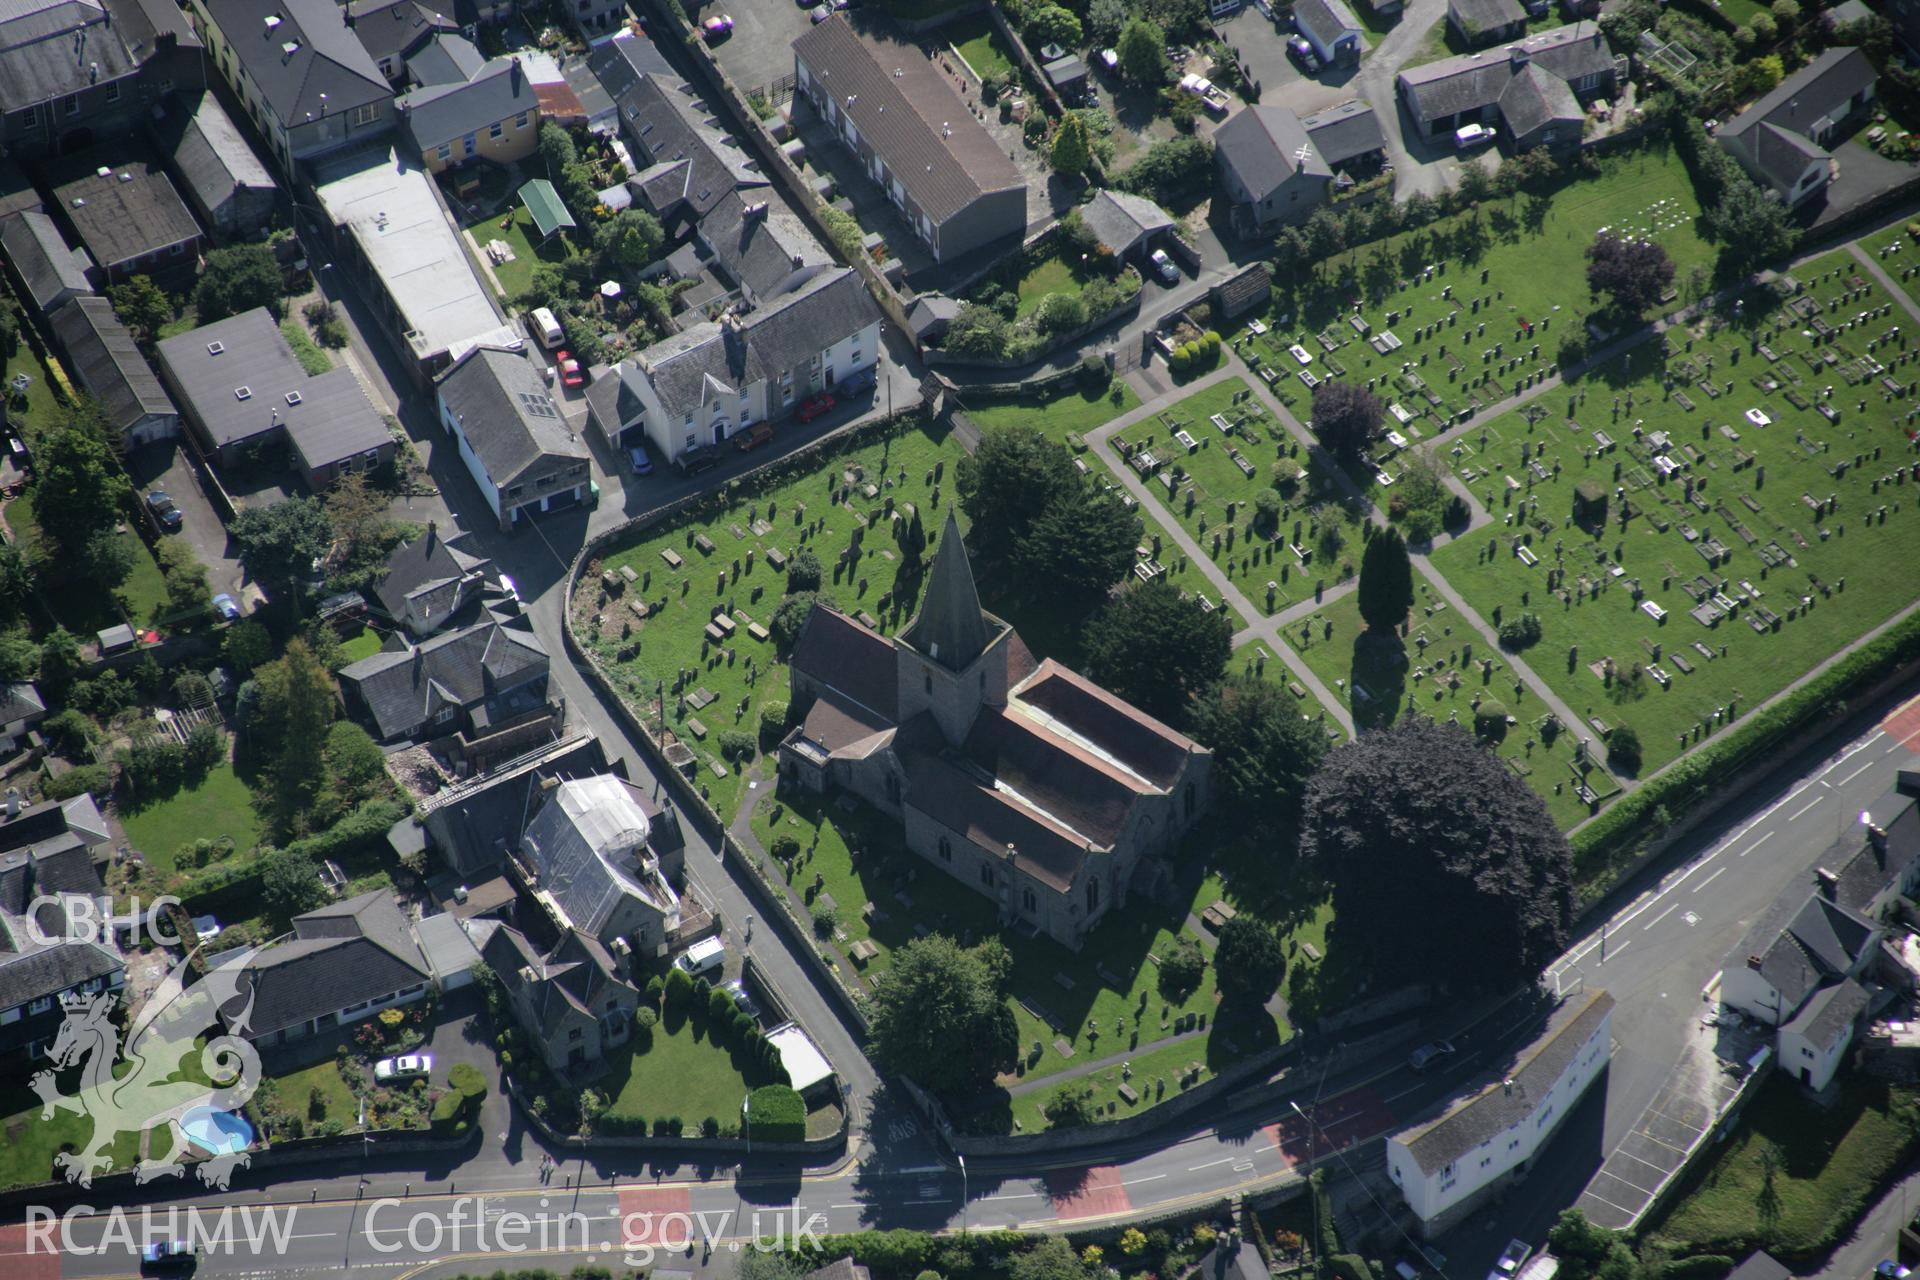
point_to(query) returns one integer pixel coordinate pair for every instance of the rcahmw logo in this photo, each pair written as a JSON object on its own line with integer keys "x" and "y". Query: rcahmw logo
{"x": 243, "y": 1230}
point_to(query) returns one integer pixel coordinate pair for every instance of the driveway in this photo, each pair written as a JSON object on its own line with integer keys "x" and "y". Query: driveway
{"x": 1418, "y": 166}
{"x": 169, "y": 465}
{"x": 1263, "y": 47}
{"x": 760, "y": 50}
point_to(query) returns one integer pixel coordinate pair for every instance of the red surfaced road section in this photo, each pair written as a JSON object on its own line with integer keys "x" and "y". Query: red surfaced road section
{"x": 1903, "y": 726}
{"x": 1338, "y": 1123}
{"x": 656, "y": 1216}
{"x": 1087, "y": 1193}
{"x": 18, "y": 1264}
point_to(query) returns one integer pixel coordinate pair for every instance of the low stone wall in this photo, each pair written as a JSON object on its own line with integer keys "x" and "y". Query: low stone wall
{"x": 810, "y": 1151}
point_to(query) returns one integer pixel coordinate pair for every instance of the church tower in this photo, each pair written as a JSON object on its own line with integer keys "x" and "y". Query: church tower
{"x": 952, "y": 658}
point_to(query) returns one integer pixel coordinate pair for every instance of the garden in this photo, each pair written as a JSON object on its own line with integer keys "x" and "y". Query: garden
{"x": 1066, "y": 412}
{"x": 1704, "y": 519}
{"x": 75, "y": 601}
{"x": 216, "y": 807}
{"x": 1033, "y": 299}
{"x": 1225, "y": 468}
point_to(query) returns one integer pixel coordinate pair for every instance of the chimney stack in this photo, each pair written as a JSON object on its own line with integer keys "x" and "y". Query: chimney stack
{"x": 433, "y": 529}
{"x": 13, "y": 802}
{"x": 1754, "y": 962}
{"x": 1828, "y": 882}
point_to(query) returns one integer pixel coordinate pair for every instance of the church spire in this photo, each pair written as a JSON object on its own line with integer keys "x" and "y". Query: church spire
{"x": 950, "y": 627}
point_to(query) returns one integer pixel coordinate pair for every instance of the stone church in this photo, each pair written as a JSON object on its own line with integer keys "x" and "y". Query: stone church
{"x": 1021, "y": 779}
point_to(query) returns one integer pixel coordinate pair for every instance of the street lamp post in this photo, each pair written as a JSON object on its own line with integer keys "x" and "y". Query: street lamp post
{"x": 964, "y": 1198}
{"x": 1313, "y": 1196}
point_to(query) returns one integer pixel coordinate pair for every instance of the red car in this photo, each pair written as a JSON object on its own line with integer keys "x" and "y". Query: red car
{"x": 815, "y": 407}
{"x": 570, "y": 375}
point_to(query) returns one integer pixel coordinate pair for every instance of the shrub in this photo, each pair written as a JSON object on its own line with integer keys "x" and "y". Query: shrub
{"x": 1490, "y": 720}
{"x": 736, "y": 745}
{"x": 1705, "y": 1266}
{"x": 1521, "y": 632}
{"x": 1181, "y": 969}
{"x": 646, "y": 1019}
{"x": 1623, "y": 750}
{"x": 803, "y": 572}
{"x": 92, "y": 779}
{"x": 720, "y": 1006}
{"x": 1286, "y": 476}
{"x": 825, "y": 919}
{"x": 775, "y": 1113}
{"x": 773, "y": 724}
{"x": 785, "y": 847}
{"x": 1349, "y": 1266}
{"x": 679, "y": 988}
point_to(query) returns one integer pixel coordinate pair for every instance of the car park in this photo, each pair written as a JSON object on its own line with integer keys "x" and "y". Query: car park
{"x": 1425, "y": 1056}
{"x": 638, "y": 460}
{"x": 406, "y": 1067}
{"x": 811, "y": 409}
{"x": 1163, "y": 266}
{"x": 164, "y": 512}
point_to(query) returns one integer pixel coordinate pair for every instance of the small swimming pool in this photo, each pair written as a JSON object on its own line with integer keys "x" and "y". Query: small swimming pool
{"x": 220, "y": 1133}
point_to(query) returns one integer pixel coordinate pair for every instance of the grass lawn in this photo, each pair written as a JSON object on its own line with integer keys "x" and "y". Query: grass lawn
{"x": 1058, "y": 414}
{"x": 679, "y": 1073}
{"x": 220, "y": 805}
{"x": 1438, "y": 669}
{"x": 979, "y": 44}
{"x": 308, "y": 352}
{"x": 1479, "y": 296}
{"x": 515, "y": 276}
{"x": 743, "y": 673}
{"x": 1795, "y": 1175}
{"x": 337, "y": 1101}
{"x": 1207, "y": 490}
{"x": 39, "y": 409}
{"x": 1795, "y": 579}
{"x": 1082, "y": 998}
{"x": 80, "y": 606}
{"x": 1257, "y": 659}
{"x": 363, "y": 643}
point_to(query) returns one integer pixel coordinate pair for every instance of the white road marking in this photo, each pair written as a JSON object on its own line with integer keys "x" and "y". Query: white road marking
{"x": 1210, "y": 1164}
{"x": 1671, "y": 908}
{"x": 1622, "y": 947}
{"x": 1801, "y": 811}
{"x": 1134, "y": 1182}
{"x": 1757, "y": 843}
{"x": 1856, "y": 773}
{"x": 1709, "y": 880}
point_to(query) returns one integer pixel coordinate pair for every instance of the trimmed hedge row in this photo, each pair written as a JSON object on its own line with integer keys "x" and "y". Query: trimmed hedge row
{"x": 1604, "y": 847}
{"x": 776, "y": 1113}
{"x": 240, "y": 878}
{"x": 1706, "y": 1266}
{"x": 454, "y": 1110}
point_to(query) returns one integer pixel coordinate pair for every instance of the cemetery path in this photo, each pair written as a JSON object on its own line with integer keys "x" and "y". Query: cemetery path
{"x": 1897, "y": 291}
{"x": 1262, "y": 628}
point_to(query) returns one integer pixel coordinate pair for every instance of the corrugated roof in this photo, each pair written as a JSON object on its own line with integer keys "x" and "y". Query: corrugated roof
{"x": 549, "y": 211}
{"x": 40, "y": 254}
{"x": 108, "y": 362}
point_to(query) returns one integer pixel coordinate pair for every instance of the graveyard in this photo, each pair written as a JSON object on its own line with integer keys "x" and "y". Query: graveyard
{"x": 1256, "y": 658}
{"x": 1442, "y": 669}
{"x": 1706, "y": 518}
{"x": 1207, "y": 459}
{"x": 679, "y": 617}
{"x": 1443, "y": 321}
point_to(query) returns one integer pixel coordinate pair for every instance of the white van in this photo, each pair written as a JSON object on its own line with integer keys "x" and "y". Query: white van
{"x": 547, "y": 327}
{"x": 702, "y": 958}
{"x": 1471, "y": 135}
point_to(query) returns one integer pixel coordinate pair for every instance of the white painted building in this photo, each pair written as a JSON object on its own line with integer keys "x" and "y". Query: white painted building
{"x": 1487, "y": 1140}
{"x": 512, "y": 438}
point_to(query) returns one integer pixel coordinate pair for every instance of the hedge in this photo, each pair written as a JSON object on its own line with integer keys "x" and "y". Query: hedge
{"x": 454, "y": 1109}
{"x": 1604, "y": 847}
{"x": 775, "y": 1113}
{"x": 240, "y": 877}
{"x": 1706, "y": 1266}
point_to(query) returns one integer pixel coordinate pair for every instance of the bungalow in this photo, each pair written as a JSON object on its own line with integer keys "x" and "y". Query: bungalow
{"x": 342, "y": 963}
{"x": 462, "y": 681}
{"x": 1784, "y": 141}
{"x": 1479, "y": 23}
{"x": 48, "y": 850}
{"x": 512, "y": 437}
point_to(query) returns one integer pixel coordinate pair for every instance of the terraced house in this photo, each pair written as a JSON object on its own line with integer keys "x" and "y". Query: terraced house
{"x": 1022, "y": 780}
{"x": 74, "y": 72}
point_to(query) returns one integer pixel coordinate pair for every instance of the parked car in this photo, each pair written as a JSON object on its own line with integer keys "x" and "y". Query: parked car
{"x": 1163, "y": 266}
{"x": 819, "y": 14}
{"x": 1511, "y": 1259}
{"x": 406, "y": 1067}
{"x": 717, "y": 28}
{"x": 638, "y": 460}
{"x": 1891, "y": 1270}
{"x": 703, "y": 957}
{"x": 1471, "y": 135}
{"x": 811, "y": 409}
{"x": 223, "y": 604}
{"x": 1423, "y": 1057}
{"x": 752, "y": 437}
{"x": 738, "y": 990}
{"x": 547, "y": 327}
{"x": 694, "y": 461}
{"x": 508, "y": 590}
{"x": 1303, "y": 53}
{"x": 571, "y": 376}
{"x": 168, "y": 1255}
{"x": 165, "y": 514}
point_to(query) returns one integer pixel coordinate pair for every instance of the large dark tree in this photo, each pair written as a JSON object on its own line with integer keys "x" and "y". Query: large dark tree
{"x": 1264, "y": 751}
{"x": 1080, "y": 545}
{"x": 1385, "y": 593}
{"x": 235, "y": 279}
{"x": 76, "y": 484}
{"x": 1005, "y": 484}
{"x": 1751, "y": 227}
{"x": 942, "y": 1016}
{"x": 1035, "y": 520}
{"x": 278, "y": 544}
{"x": 1346, "y": 418}
{"x": 1443, "y": 864}
{"x": 1157, "y": 650}
{"x": 1249, "y": 962}
{"x": 1587, "y": 1252}
{"x": 1632, "y": 274}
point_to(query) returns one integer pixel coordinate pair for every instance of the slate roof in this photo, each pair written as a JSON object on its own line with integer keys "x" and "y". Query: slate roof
{"x": 1808, "y": 96}
{"x": 931, "y": 311}
{"x": 428, "y": 572}
{"x": 1122, "y": 221}
{"x": 443, "y": 112}
{"x": 1828, "y": 1017}
{"x": 403, "y": 688}
{"x": 571, "y": 982}
{"x": 209, "y": 154}
{"x": 951, "y": 627}
{"x": 1779, "y": 154}
{"x": 1761, "y": 1265}
{"x": 588, "y": 843}
{"x": 477, "y": 822}
{"x": 842, "y": 727}
{"x": 1073, "y": 787}
{"x": 131, "y": 212}
{"x": 910, "y": 114}
{"x": 1264, "y": 144}
{"x": 346, "y": 953}
{"x": 327, "y": 71}
{"x": 1345, "y": 132}
{"x": 20, "y": 701}
{"x": 509, "y": 418}
{"x": 396, "y": 28}
{"x": 836, "y": 651}
{"x": 108, "y": 364}
{"x": 446, "y": 58}
{"x": 1802, "y": 942}
{"x": 960, "y": 799}
{"x": 1324, "y": 20}
{"x": 120, "y": 36}
{"x": 1475, "y": 81}
{"x": 1495, "y": 1109}
{"x": 1865, "y": 868}
{"x": 40, "y": 254}
{"x": 1534, "y": 99}
{"x": 1072, "y": 706}
{"x": 327, "y": 418}
{"x": 1476, "y": 17}
{"x": 684, "y": 153}
{"x": 762, "y": 245}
